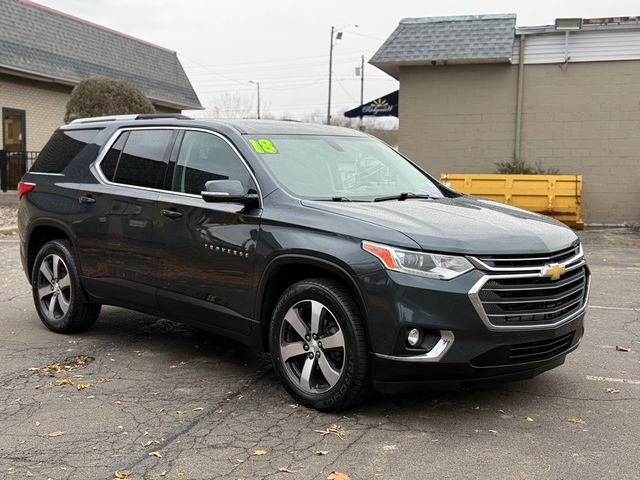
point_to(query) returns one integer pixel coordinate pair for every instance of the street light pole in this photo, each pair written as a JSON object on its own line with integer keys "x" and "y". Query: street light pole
{"x": 361, "y": 89}
{"x": 257, "y": 84}
{"x": 330, "y": 68}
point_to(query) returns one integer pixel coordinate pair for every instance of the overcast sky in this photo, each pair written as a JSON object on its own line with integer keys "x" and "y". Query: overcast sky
{"x": 284, "y": 44}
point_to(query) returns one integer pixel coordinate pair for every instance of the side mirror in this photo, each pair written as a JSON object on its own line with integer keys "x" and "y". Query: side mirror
{"x": 228, "y": 191}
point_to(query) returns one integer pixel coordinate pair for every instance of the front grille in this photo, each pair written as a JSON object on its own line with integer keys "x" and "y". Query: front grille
{"x": 525, "y": 352}
{"x": 533, "y": 300}
{"x": 541, "y": 350}
{"x": 497, "y": 262}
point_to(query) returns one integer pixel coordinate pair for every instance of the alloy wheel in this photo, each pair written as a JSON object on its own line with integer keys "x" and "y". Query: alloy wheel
{"x": 312, "y": 347}
{"x": 54, "y": 287}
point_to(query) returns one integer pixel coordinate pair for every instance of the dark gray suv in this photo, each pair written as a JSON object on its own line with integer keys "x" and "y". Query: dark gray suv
{"x": 351, "y": 265}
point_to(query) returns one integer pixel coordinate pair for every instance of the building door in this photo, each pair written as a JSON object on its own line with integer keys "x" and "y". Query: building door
{"x": 14, "y": 134}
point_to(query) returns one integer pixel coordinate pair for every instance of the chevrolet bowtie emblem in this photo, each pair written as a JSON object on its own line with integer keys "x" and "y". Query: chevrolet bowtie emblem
{"x": 553, "y": 271}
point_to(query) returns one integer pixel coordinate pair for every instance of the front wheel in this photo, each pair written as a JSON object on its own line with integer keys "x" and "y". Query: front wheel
{"x": 318, "y": 345}
{"x": 58, "y": 295}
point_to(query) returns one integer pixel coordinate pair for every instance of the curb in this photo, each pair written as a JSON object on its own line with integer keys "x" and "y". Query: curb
{"x": 10, "y": 230}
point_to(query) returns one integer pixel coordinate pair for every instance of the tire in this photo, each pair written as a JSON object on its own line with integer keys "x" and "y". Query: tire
{"x": 332, "y": 376}
{"x": 55, "y": 280}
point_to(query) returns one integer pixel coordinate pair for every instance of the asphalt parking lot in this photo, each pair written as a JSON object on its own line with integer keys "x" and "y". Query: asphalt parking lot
{"x": 161, "y": 400}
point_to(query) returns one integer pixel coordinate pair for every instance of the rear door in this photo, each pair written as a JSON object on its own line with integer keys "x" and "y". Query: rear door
{"x": 116, "y": 232}
{"x": 206, "y": 262}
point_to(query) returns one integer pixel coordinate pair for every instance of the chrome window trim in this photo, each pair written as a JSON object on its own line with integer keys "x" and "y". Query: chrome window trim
{"x": 55, "y": 174}
{"x": 434, "y": 355}
{"x": 95, "y": 166}
{"x": 483, "y": 266}
{"x": 477, "y": 303}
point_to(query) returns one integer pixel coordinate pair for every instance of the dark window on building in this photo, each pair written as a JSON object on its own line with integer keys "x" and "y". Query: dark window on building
{"x": 205, "y": 157}
{"x": 143, "y": 160}
{"x": 110, "y": 161}
{"x": 61, "y": 149}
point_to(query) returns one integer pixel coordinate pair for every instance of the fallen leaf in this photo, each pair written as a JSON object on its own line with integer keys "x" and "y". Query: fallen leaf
{"x": 338, "y": 476}
{"x": 285, "y": 470}
{"x": 294, "y": 405}
{"x": 181, "y": 473}
{"x": 29, "y": 474}
{"x": 91, "y": 397}
{"x": 198, "y": 409}
{"x": 82, "y": 386}
{"x": 322, "y": 452}
{"x": 259, "y": 452}
{"x": 620, "y": 348}
{"x": 529, "y": 419}
{"x": 121, "y": 474}
{"x": 156, "y": 454}
{"x": 493, "y": 431}
{"x": 501, "y": 411}
{"x": 56, "y": 434}
{"x": 613, "y": 390}
{"x": 575, "y": 420}
{"x": 63, "y": 381}
{"x": 163, "y": 473}
{"x": 150, "y": 442}
{"x": 37, "y": 423}
{"x": 180, "y": 412}
{"x": 118, "y": 402}
{"x": 332, "y": 430}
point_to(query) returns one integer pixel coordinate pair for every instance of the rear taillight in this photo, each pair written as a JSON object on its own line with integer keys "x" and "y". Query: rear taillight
{"x": 24, "y": 187}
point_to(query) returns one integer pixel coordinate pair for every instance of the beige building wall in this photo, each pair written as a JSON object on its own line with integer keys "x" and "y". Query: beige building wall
{"x": 582, "y": 119}
{"x": 44, "y": 104}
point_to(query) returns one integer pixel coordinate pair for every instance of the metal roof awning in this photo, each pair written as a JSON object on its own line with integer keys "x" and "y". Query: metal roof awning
{"x": 386, "y": 106}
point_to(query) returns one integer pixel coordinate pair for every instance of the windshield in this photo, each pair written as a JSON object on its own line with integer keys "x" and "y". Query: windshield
{"x": 340, "y": 168}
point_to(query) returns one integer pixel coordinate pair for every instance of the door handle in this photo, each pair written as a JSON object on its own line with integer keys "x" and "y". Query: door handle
{"x": 87, "y": 200}
{"x": 170, "y": 213}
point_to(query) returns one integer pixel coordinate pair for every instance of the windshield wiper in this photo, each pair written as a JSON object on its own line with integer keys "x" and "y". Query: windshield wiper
{"x": 402, "y": 196}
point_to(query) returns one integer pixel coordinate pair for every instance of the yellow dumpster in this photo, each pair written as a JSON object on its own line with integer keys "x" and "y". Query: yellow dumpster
{"x": 554, "y": 195}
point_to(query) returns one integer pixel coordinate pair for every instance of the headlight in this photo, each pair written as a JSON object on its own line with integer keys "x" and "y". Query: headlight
{"x": 431, "y": 265}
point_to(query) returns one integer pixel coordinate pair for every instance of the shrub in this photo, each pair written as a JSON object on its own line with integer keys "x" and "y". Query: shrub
{"x": 96, "y": 97}
{"x": 522, "y": 167}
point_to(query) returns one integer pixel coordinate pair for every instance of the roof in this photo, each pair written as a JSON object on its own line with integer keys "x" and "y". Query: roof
{"x": 43, "y": 43}
{"x": 242, "y": 127}
{"x": 459, "y": 39}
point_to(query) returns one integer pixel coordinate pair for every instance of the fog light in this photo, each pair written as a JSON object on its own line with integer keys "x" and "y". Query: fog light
{"x": 414, "y": 337}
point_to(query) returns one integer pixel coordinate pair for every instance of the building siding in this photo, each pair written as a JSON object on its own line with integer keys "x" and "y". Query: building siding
{"x": 44, "y": 104}
{"x": 582, "y": 119}
{"x": 584, "y": 46}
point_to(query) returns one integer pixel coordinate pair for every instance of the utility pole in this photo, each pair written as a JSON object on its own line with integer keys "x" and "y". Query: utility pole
{"x": 257, "y": 84}
{"x": 330, "y": 68}
{"x": 361, "y": 91}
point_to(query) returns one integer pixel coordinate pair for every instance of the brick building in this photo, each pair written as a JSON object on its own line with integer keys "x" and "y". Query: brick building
{"x": 45, "y": 53}
{"x": 573, "y": 103}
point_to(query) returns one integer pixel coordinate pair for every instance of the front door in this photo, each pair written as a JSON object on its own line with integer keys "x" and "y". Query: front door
{"x": 14, "y": 130}
{"x": 206, "y": 261}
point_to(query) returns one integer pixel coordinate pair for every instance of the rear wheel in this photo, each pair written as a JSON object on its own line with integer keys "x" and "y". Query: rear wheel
{"x": 318, "y": 345}
{"x": 58, "y": 295}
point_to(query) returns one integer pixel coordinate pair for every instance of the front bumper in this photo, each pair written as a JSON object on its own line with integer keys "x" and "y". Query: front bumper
{"x": 397, "y": 302}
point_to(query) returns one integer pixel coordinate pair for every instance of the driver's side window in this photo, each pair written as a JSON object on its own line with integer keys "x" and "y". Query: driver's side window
{"x": 203, "y": 157}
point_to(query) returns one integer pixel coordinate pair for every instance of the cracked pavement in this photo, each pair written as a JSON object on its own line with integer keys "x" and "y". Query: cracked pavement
{"x": 205, "y": 404}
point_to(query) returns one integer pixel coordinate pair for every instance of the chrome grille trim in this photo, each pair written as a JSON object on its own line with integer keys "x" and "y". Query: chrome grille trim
{"x": 474, "y": 296}
{"x": 480, "y": 262}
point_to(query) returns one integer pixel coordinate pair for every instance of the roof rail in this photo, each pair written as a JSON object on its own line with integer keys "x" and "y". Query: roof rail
{"x": 133, "y": 116}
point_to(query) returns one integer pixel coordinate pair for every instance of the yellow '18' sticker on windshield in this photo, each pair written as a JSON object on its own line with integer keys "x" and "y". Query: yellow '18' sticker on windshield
{"x": 263, "y": 145}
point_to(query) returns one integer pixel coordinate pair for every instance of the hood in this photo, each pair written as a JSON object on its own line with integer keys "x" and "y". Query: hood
{"x": 465, "y": 224}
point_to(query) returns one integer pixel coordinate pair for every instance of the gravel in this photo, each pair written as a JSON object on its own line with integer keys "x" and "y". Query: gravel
{"x": 8, "y": 215}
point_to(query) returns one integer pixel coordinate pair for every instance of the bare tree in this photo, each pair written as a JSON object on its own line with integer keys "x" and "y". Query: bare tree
{"x": 233, "y": 105}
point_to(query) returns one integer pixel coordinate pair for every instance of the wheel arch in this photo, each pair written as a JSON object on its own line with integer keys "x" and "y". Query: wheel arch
{"x": 41, "y": 232}
{"x": 293, "y": 268}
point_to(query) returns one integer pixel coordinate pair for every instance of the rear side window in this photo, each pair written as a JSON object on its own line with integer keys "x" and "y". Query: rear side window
{"x": 61, "y": 149}
{"x": 143, "y": 159}
{"x": 110, "y": 160}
